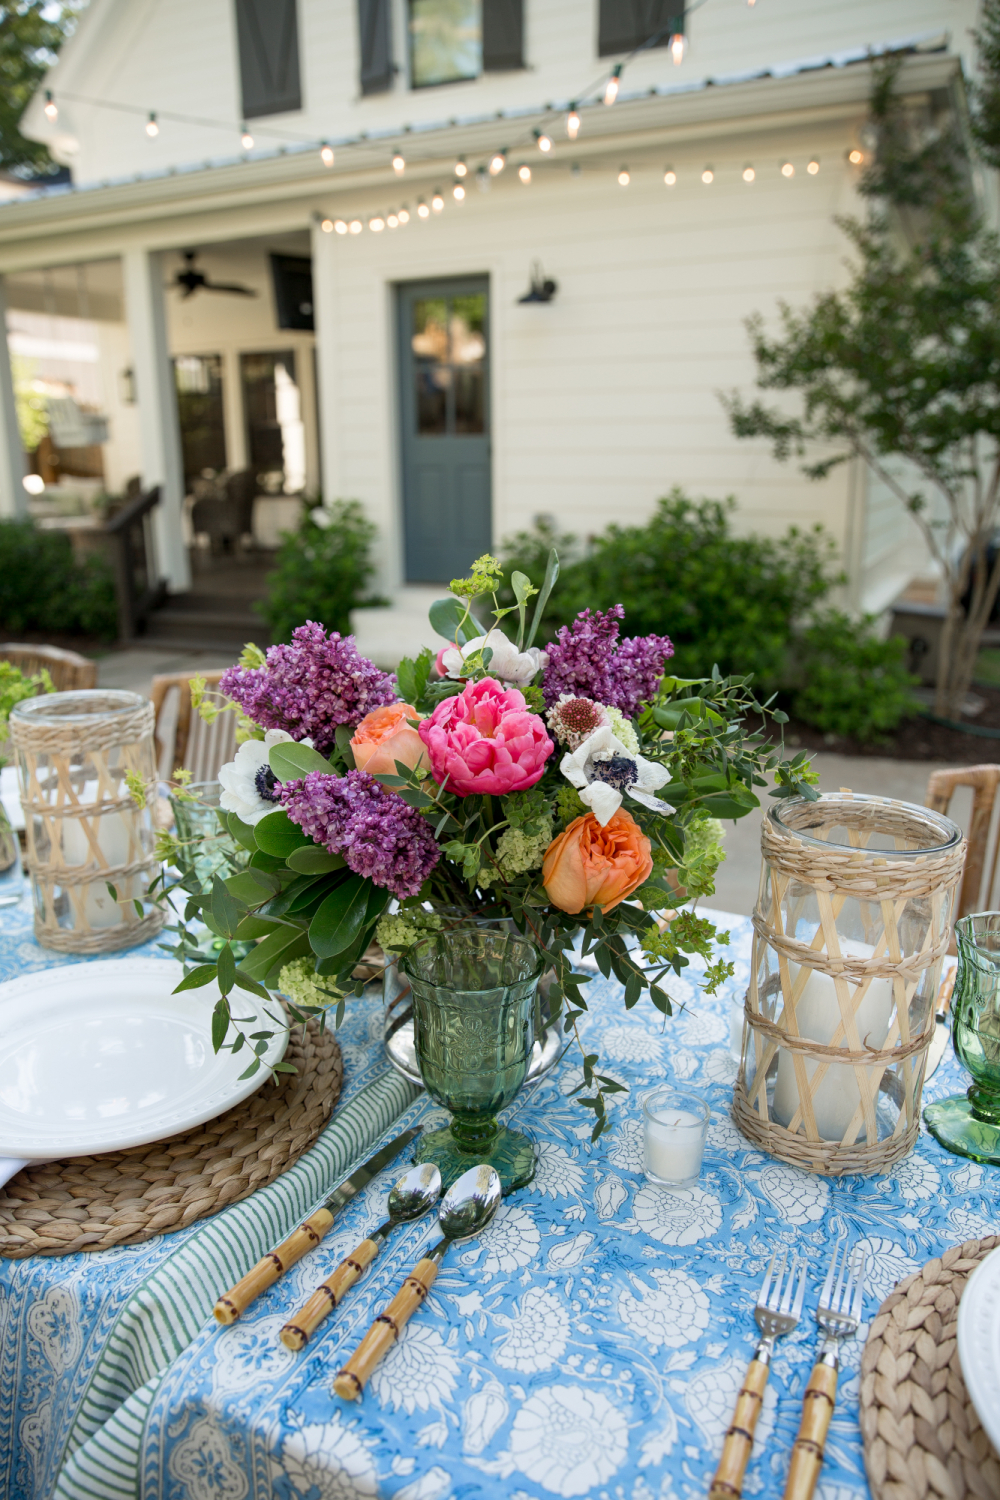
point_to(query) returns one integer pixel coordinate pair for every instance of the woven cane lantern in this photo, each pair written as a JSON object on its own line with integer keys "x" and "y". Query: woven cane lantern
{"x": 851, "y": 925}
{"x": 84, "y": 830}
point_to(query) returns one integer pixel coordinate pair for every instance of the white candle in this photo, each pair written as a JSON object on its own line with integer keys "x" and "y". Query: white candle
{"x": 112, "y": 830}
{"x": 818, "y": 1016}
{"x": 674, "y": 1141}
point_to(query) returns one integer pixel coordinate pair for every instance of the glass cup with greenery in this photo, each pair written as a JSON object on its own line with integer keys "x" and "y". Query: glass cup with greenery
{"x": 473, "y": 1011}
{"x": 969, "y": 1124}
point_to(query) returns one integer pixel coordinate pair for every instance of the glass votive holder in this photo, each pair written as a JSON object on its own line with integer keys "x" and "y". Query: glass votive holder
{"x": 674, "y": 1127}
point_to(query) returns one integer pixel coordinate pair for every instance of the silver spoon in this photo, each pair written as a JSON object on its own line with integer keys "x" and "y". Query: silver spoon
{"x": 466, "y": 1208}
{"x": 415, "y": 1192}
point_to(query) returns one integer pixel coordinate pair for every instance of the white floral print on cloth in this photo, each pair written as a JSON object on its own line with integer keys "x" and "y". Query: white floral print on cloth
{"x": 593, "y": 1340}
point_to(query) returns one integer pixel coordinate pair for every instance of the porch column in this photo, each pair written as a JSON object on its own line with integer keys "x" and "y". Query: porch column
{"x": 13, "y": 496}
{"x": 156, "y": 398}
{"x": 324, "y": 269}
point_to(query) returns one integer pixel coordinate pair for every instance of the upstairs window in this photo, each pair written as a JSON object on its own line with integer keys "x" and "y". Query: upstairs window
{"x": 624, "y": 25}
{"x": 267, "y": 33}
{"x": 455, "y": 40}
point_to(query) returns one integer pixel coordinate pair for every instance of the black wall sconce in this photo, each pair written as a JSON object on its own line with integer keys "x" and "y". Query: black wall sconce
{"x": 543, "y": 289}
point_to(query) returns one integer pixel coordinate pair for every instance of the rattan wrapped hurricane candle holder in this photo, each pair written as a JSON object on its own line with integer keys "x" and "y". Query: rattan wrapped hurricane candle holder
{"x": 852, "y": 922}
{"x": 84, "y": 830}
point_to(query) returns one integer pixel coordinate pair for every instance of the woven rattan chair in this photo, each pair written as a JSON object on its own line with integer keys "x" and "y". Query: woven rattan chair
{"x": 68, "y": 670}
{"x": 183, "y": 740}
{"x": 977, "y": 890}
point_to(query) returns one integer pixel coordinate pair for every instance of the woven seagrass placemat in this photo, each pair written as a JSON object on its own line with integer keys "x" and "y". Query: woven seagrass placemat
{"x": 124, "y": 1197}
{"x": 922, "y": 1437}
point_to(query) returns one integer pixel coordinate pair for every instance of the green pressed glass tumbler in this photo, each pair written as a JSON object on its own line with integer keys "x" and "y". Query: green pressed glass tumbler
{"x": 473, "y": 1030}
{"x": 969, "y": 1124}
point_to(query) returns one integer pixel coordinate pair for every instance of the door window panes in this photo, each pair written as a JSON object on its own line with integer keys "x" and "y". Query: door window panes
{"x": 272, "y": 408}
{"x": 198, "y": 378}
{"x": 449, "y": 365}
{"x": 446, "y": 41}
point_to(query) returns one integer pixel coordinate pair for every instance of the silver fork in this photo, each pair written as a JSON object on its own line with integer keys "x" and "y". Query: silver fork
{"x": 777, "y": 1312}
{"x": 840, "y": 1305}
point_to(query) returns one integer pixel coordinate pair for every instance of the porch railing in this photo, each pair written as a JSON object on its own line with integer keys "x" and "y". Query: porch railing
{"x": 137, "y": 583}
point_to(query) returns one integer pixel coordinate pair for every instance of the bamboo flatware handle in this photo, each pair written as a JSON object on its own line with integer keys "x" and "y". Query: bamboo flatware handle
{"x": 807, "y": 1453}
{"x": 350, "y": 1382}
{"x": 728, "y": 1481}
{"x": 328, "y": 1295}
{"x": 266, "y": 1272}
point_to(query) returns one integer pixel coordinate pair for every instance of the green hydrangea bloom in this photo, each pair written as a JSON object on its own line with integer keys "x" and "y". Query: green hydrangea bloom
{"x": 624, "y": 729}
{"x": 569, "y": 804}
{"x": 300, "y": 982}
{"x": 517, "y": 852}
{"x": 401, "y": 929}
{"x": 703, "y": 854}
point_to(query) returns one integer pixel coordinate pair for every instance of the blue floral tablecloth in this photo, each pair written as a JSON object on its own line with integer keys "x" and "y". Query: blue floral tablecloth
{"x": 592, "y": 1342}
{"x": 80, "y": 1333}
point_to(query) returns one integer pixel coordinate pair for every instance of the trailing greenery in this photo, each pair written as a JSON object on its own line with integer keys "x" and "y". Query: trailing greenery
{"x": 43, "y": 587}
{"x": 745, "y": 603}
{"x": 14, "y": 687}
{"x": 322, "y": 571}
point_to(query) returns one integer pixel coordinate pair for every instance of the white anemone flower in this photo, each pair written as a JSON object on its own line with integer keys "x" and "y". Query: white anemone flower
{"x": 507, "y": 663}
{"x": 603, "y": 770}
{"x": 249, "y": 786}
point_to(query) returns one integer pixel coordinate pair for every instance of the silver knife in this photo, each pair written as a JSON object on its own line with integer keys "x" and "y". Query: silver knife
{"x": 266, "y": 1272}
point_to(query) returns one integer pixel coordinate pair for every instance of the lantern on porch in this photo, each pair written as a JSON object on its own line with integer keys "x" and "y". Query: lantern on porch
{"x": 851, "y": 925}
{"x": 84, "y": 829}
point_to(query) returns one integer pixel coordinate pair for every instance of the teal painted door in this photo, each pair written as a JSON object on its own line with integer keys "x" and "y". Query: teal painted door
{"x": 444, "y": 408}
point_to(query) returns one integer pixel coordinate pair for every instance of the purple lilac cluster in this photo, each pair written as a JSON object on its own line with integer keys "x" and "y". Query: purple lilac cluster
{"x": 379, "y": 835}
{"x": 588, "y": 660}
{"x": 309, "y": 687}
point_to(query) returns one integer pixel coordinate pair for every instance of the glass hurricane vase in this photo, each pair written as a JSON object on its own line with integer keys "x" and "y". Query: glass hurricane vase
{"x": 969, "y": 1124}
{"x": 473, "y": 1013}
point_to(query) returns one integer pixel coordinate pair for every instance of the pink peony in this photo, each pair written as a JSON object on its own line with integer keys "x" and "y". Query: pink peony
{"x": 485, "y": 741}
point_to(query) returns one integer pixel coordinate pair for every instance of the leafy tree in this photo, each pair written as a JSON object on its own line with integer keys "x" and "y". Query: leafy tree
{"x": 904, "y": 363}
{"x": 31, "y": 33}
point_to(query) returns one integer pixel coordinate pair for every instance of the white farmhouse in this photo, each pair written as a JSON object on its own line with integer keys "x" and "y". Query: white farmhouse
{"x": 389, "y": 179}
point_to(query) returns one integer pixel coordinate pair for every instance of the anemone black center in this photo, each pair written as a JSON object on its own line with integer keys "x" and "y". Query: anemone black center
{"x": 264, "y": 783}
{"x": 619, "y": 772}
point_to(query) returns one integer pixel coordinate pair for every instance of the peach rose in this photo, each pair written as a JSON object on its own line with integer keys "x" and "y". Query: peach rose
{"x": 384, "y": 736}
{"x": 588, "y": 865}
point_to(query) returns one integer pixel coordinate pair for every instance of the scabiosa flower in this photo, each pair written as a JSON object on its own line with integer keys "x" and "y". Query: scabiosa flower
{"x": 310, "y": 686}
{"x": 379, "y": 835}
{"x": 587, "y": 660}
{"x": 572, "y": 720}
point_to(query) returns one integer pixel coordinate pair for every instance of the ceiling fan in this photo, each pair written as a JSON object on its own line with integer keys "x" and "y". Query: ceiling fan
{"x": 191, "y": 280}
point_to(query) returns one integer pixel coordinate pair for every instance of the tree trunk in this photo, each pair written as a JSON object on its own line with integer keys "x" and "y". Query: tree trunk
{"x": 960, "y": 640}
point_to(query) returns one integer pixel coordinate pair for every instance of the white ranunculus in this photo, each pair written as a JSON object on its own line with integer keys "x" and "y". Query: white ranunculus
{"x": 507, "y": 663}
{"x": 248, "y": 784}
{"x": 602, "y": 755}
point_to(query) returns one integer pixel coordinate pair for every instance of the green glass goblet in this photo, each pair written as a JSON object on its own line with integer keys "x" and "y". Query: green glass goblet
{"x": 969, "y": 1124}
{"x": 473, "y": 1029}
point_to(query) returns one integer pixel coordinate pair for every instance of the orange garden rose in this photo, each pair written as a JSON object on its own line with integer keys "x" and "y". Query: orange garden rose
{"x": 588, "y": 865}
{"x": 384, "y": 736}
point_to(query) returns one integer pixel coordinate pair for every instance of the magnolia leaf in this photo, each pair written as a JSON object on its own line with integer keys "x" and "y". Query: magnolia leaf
{"x": 290, "y": 761}
{"x": 278, "y": 836}
{"x": 338, "y": 921}
{"x": 312, "y": 860}
{"x": 450, "y": 618}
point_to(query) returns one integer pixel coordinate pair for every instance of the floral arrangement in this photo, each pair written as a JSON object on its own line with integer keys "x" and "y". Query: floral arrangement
{"x": 575, "y": 790}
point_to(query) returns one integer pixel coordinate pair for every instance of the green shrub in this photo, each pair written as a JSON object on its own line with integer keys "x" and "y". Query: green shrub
{"x": 853, "y": 683}
{"x": 321, "y": 572}
{"x": 44, "y": 588}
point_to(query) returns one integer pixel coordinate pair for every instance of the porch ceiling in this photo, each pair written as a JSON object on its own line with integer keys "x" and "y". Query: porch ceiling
{"x": 213, "y": 202}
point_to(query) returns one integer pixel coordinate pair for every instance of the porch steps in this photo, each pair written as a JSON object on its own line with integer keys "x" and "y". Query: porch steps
{"x": 217, "y": 613}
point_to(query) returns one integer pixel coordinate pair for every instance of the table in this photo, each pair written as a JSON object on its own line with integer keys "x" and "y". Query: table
{"x": 79, "y": 1333}
{"x": 590, "y": 1343}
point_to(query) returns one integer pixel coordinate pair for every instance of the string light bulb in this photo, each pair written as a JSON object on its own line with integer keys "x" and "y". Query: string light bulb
{"x": 355, "y": 226}
{"x": 542, "y": 141}
{"x": 748, "y": 174}
{"x": 787, "y": 170}
{"x": 707, "y": 176}
{"x": 399, "y": 163}
{"x": 611, "y": 87}
{"x": 376, "y": 224}
{"x": 392, "y": 220}
{"x": 458, "y": 192}
{"x": 623, "y": 177}
{"x": 497, "y": 163}
{"x": 670, "y": 177}
{"x": 327, "y": 226}
{"x": 326, "y": 156}
{"x": 423, "y": 211}
{"x": 677, "y": 47}
{"x": 461, "y": 170}
{"x": 51, "y": 108}
{"x": 404, "y": 215}
{"x": 437, "y": 202}
{"x": 572, "y": 123}
{"x": 340, "y": 226}
{"x": 246, "y": 140}
{"x": 813, "y": 167}
{"x": 524, "y": 172}
{"x": 855, "y": 157}
{"x": 151, "y": 126}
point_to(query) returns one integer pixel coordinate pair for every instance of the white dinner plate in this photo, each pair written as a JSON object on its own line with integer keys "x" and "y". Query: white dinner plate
{"x": 101, "y": 1056}
{"x": 979, "y": 1343}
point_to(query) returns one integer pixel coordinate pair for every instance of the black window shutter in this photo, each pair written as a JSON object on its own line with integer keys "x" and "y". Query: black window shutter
{"x": 503, "y": 35}
{"x": 267, "y": 32}
{"x": 375, "y": 33}
{"x": 624, "y": 25}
